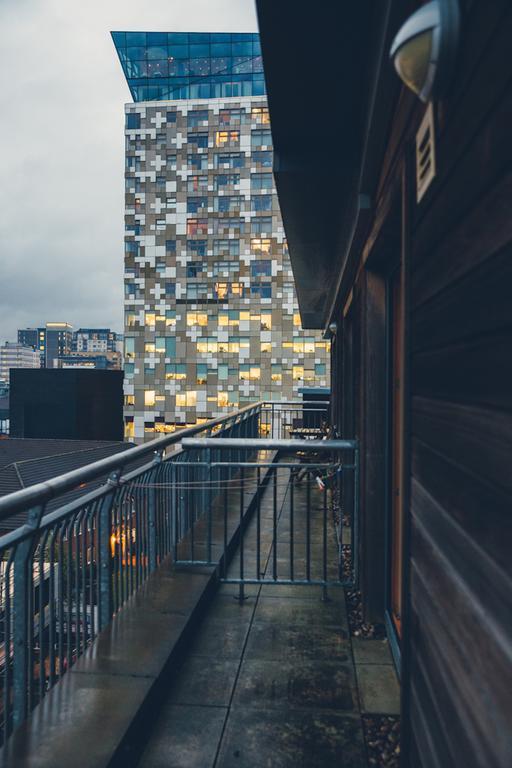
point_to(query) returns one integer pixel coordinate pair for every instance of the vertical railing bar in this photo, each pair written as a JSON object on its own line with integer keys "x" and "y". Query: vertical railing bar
{"x": 241, "y": 594}
{"x": 258, "y": 523}
{"x": 22, "y": 600}
{"x": 225, "y": 473}
{"x": 324, "y": 589}
{"x": 274, "y": 526}
{"x": 308, "y": 527}
{"x": 292, "y": 525}
{"x": 104, "y": 556}
{"x": 51, "y": 611}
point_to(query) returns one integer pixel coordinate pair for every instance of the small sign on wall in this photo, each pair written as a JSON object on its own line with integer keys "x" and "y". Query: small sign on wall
{"x": 425, "y": 153}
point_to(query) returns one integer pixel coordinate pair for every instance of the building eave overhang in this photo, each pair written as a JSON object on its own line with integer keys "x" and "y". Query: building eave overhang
{"x": 326, "y": 71}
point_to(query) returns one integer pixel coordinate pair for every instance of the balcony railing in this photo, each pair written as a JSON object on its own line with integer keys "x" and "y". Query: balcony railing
{"x": 68, "y": 570}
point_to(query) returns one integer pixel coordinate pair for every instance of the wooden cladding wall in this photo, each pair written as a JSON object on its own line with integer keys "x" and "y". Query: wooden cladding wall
{"x": 460, "y": 566}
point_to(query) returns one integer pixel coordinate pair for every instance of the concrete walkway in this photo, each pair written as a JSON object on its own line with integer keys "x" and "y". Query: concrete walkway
{"x": 271, "y": 682}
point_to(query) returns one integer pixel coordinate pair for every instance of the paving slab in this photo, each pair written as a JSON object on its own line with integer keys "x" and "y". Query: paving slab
{"x": 296, "y": 684}
{"x": 371, "y": 651}
{"x": 203, "y": 680}
{"x": 273, "y": 642}
{"x": 379, "y": 691}
{"x": 307, "y": 611}
{"x": 295, "y": 739}
{"x": 185, "y": 737}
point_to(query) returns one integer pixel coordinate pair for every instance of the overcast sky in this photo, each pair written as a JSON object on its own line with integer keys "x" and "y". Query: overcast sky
{"x": 62, "y": 161}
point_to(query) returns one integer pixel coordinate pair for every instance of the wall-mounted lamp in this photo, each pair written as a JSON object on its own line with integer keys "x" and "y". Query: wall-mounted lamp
{"x": 425, "y": 48}
{"x": 333, "y": 327}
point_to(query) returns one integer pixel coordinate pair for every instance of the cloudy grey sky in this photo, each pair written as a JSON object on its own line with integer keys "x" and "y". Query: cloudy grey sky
{"x": 61, "y": 133}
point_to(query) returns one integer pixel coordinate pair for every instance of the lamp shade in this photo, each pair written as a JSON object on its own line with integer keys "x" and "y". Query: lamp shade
{"x": 424, "y": 50}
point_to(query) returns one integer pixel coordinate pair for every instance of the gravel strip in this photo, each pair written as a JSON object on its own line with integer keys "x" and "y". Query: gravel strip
{"x": 382, "y": 735}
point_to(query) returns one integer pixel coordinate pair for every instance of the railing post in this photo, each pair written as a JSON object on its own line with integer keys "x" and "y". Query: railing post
{"x": 153, "y": 475}
{"x": 106, "y": 607}
{"x": 22, "y": 643}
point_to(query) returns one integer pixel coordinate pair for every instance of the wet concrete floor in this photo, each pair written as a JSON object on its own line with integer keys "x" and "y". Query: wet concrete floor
{"x": 271, "y": 682}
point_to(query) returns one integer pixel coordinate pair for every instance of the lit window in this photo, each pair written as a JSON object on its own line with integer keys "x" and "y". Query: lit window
{"x": 170, "y": 318}
{"x": 260, "y": 114}
{"x": 309, "y": 345}
{"x": 201, "y": 373}
{"x": 149, "y": 397}
{"x": 150, "y": 319}
{"x": 276, "y": 374}
{"x": 186, "y": 399}
{"x": 149, "y": 346}
{"x": 129, "y": 348}
{"x": 222, "y": 399}
{"x": 296, "y": 320}
{"x": 265, "y": 346}
{"x": 266, "y": 321}
{"x": 175, "y": 371}
{"x": 197, "y": 227}
{"x": 226, "y": 137}
{"x": 298, "y": 372}
{"x": 197, "y": 318}
{"x": 260, "y": 245}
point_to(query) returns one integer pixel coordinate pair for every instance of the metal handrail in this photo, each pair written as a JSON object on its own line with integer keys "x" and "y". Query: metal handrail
{"x": 43, "y": 492}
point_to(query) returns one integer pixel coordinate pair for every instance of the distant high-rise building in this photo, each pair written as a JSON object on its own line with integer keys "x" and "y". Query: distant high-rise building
{"x": 59, "y": 340}
{"x": 97, "y": 340}
{"x": 211, "y": 315}
{"x": 17, "y": 356}
{"x": 36, "y": 338}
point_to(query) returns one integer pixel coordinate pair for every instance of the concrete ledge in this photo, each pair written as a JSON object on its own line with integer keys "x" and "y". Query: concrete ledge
{"x": 97, "y": 715}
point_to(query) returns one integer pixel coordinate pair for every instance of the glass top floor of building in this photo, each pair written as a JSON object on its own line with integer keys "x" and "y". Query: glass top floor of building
{"x": 161, "y": 66}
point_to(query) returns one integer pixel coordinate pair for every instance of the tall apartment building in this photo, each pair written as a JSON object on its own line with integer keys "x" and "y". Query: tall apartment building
{"x": 17, "y": 356}
{"x": 211, "y": 316}
{"x": 59, "y": 340}
{"x": 52, "y": 341}
{"x": 97, "y": 340}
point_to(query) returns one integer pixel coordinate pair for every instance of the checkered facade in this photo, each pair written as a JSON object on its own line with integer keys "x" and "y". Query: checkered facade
{"x": 211, "y": 316}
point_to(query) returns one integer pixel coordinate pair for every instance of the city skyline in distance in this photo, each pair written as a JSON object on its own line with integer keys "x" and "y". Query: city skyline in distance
{"x": 61, "y": 228}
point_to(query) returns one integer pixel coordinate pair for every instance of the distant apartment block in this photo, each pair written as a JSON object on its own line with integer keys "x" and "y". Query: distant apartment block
{"x": 211, "y": 314}
{"x": 97, "y": 340}
{"x": 17, "y": 356}
{"x": 56, "y": 342}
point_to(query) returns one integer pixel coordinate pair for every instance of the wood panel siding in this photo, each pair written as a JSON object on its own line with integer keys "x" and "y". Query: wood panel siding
{"x": 460, "y": 570}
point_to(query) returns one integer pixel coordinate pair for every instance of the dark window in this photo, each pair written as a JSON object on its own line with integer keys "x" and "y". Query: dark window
{"x": 261, "y": 202}
{"x": 194, "y": 204}
{"x": 133, "y": 120}
{"x": 263, "y": 290}
{"x": 200, "y": 140}
{"x": 197, "y": 247}
{"x": 170, "y": 246}
{"x": 197, "y": 118}
{"x": 261, "y": 225}
{"x": 194, "y": 268}
{"x": 261, "y": 268}
{"x": 262, "y": 157}
{"x": 171, "y": 117}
